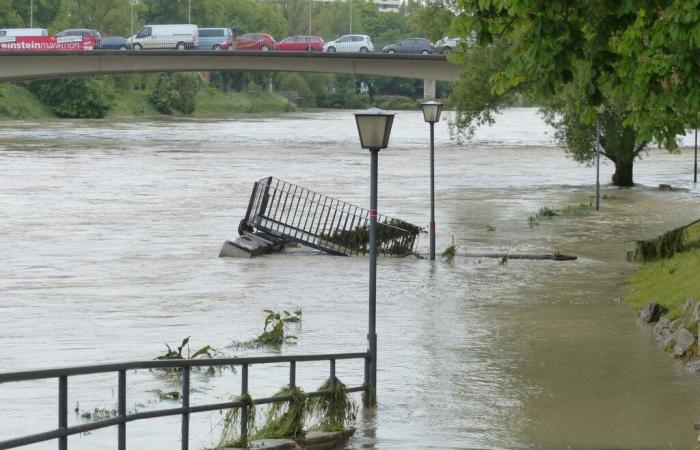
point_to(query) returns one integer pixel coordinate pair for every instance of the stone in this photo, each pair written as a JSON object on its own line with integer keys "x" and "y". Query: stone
{"x": 665, "y": 187}
{"x": 693, "y": 367}
{"x": 662, "y": 331}
{"x": 651, "y": 313}
{"x": 684, "y": 341}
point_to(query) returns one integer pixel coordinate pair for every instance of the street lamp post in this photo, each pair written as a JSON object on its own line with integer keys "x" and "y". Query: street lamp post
{"x": 431, "y": 114}
{"x": 374, "y": 128}
{"x": 189, "y": 11}
{"x": 597, "y": 165}
{"x": 31, "y": 13}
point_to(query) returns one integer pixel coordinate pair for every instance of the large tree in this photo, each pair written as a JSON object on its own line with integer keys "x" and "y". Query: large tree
{"x": 640, "y": 52}
{"x": 589, "y": 59}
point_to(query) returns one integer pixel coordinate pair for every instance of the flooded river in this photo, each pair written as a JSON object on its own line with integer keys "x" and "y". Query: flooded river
{"x": 110, "y": 231}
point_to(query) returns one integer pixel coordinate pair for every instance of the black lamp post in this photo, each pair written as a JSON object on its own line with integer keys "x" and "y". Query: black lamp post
{"x": 374, "y": 128}
{"x": 431, "y": 114}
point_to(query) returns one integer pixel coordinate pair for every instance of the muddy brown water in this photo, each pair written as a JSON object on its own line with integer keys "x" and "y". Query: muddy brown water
{"x": 110, "y": 231}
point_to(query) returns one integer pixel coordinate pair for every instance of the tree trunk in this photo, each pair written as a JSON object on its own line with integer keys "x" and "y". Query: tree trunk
{"x": 623, "y": 172}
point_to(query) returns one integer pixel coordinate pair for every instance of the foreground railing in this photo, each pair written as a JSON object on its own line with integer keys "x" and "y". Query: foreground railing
{"x": 63, "y": 431}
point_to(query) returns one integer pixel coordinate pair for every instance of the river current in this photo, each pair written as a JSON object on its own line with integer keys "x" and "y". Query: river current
{"x": 110, "y": 232}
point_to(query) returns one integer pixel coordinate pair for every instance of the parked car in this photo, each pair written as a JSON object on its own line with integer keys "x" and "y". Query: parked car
{"x": 411, "y": 46}
{"x": 300, "y": 44}
{"x": 113, "y": 43}
{"x": 179, "y": 37}
{"x": 447, "y": 44}
{"x": 255, "y": 41}
{"x": 14, "y": 32}
{"x": 82, "y": 32}
{"x": 215, "y": 38}
{"x": 350, "y": 43}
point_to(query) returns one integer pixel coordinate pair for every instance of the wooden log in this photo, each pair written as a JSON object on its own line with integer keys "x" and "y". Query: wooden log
{"x": 554, "y": 257}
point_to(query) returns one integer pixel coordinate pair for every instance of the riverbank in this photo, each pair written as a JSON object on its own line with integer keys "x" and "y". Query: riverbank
{"x": 18, "y": 103}
{"x": 666, "y": 291}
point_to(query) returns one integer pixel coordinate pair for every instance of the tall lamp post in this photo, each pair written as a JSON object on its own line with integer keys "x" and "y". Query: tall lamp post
{"x": 374, "y": 128}
{"x": 31, "y": 13}
{"x": 431, "y": 114}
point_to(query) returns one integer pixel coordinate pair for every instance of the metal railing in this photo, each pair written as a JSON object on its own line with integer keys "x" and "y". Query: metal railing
{"x": 322, "y": 222}
{"x": 122, "y": 418}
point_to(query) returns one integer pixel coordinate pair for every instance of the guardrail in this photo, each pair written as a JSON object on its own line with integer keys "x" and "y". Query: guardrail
{"x": 292, "y": 44}
{"x": 322, "y": 222}
{"x": 63, "y": 431}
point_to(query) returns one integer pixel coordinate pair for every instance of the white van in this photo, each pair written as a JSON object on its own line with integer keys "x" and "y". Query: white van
{"x": 13, "y": 32}
{"x": 179, "y": 37}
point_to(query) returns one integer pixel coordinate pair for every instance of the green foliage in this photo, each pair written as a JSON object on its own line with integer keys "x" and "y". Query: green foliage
{"x": 546, "y": 212}
{"x": 176, "y": 92}
{"x": 393, "y": 237}
{"x": 285, "y": 420}
{"x": 273, "y": 331}
{"x": 335, "y": 412}
{"x": 17, "y": 102}
{"x": 206, "y": 352}
{"x": 76, "y": 97}
{"x": 638, "y": 53}
{"x": 449, "y": 254}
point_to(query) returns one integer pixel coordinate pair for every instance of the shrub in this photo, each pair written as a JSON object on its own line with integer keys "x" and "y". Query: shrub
{"x": 88, "y": 98}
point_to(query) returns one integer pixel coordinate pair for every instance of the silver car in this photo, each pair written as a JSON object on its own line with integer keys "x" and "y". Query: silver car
{"x": 350, "y": 43}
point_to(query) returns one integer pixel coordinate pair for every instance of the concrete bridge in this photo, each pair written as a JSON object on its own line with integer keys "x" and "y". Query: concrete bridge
{"x": 24, "y": 66}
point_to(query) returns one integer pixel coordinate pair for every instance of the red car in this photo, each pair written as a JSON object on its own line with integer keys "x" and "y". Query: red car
{"x": 228, "y": 44}
{"x": 255, "y": 42}
{"x": 300, "y": 44}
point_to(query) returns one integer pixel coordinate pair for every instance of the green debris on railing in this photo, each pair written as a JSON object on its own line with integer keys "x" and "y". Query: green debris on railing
{"x": 668, "y": 244}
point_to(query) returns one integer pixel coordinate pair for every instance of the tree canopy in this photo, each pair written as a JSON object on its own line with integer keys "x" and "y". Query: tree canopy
{"x": 640, "y": 52}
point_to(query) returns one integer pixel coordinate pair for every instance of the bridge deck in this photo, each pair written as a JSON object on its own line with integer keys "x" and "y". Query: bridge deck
{"x": 23, "y": 66}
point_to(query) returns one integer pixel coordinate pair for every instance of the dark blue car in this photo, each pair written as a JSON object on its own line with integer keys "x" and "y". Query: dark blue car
{"x": 113, "y": 43}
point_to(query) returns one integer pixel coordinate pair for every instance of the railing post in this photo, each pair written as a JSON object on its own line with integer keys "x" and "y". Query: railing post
{"x": 366, "y": 397}
{"x": 121, "y": 410}
{"x": 292, "y": 374}
{"x": 63, "y": 411}
{"x": 185, "y": 408}
{"x": 244, "y": 412}
{"x": 332, "y": 372}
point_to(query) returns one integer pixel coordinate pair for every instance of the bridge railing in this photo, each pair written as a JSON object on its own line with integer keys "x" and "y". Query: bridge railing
{"x": 63, "y": 431}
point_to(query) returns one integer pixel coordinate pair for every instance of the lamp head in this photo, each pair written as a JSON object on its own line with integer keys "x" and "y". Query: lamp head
{"x": 374, "y": 128}
{"x": 432, "y": 110}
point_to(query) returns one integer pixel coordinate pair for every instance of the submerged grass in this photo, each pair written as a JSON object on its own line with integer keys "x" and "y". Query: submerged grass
{"x": 285, "y": 420}
{"x": 449, "y": 254}
{"x": 546, "y": 212}
{"x": 336, "y": 412}
{"x": 231, "y": 431}
{"x": 669, "y": 243}
{"x": 668, "y": 282}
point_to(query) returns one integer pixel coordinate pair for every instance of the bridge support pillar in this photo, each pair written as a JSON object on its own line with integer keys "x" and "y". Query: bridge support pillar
{"x": 429, "y": 89}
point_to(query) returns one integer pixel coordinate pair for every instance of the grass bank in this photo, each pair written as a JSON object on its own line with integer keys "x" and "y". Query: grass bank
{"x": 668, "y": 282}
{"x": 210, "y": 102}
{"x": 17, "y": 103}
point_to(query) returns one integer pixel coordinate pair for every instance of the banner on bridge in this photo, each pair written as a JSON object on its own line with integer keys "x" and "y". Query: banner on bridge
{"x": 46, "y": 43}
